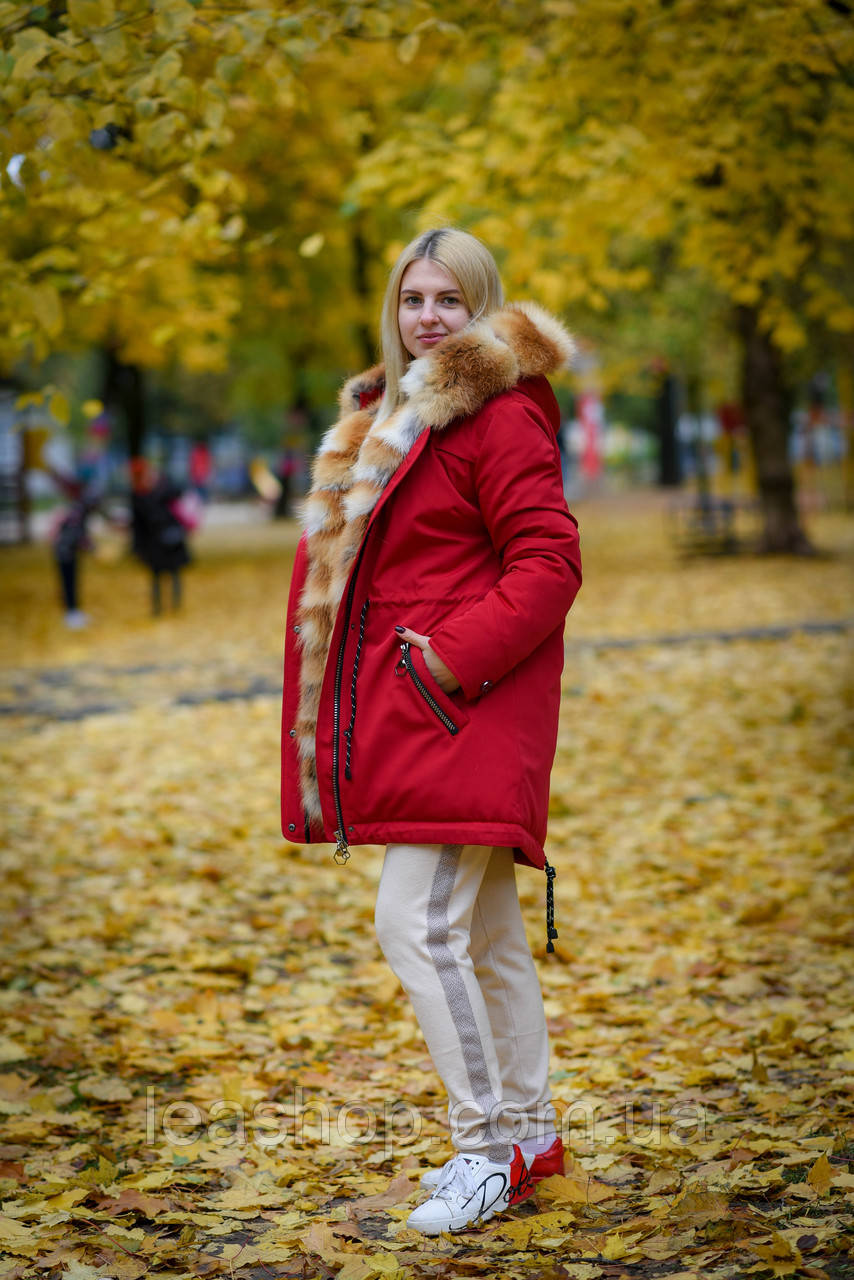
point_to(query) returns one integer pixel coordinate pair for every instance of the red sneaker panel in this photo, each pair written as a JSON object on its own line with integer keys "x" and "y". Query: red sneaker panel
{"x": 548, "y": 1163}
{"x": 521, "y": 1182}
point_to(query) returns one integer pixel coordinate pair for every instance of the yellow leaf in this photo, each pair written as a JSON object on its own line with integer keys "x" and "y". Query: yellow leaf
{"x": 167, "y": 68}
{"x": 614, "y": 1248}
{"x": 113, "y": 49}
{"x": 783, "y": 1258}
{"x": 61, "y": 411}
{"x": 517, "y": 1233}
{"x": 320, "y": 1240}
{"x": 82, "y": 1271}
{"x": 820, "y": 1175}
{"x": 157, "y": 135}
{"x": 312, "y": 245}
{"x": 23, "y": 402}
{"x": 701, "y": 1206}
{"x": 88, "y": 14}
{"x": 173, "y": 17}
{"x": 44, "y": 303}
{"x": 92, "y": 408}
{"x": 28, "y": 50}
{"x": 58, "y": 257}
{"x": 232, "y": 1088}
{"x": 105, "y": 1089}
{"x": 229, "y": 68}
{"x": 66, "y": 1199}
{"x": 575, "y": 1189}
{"x": 408, "y": 47}
{"x": 663, "y": 1180}
{"x": 789, "y": 334}
{"x": 670, "y": 1245}
{"x": 12, "y": 1232}
{"x": 102, "y": 1175}
{"x": 234, "y": 228}
{"x": 356, "y": 1267}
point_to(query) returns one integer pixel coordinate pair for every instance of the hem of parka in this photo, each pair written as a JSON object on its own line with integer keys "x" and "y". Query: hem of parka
{"x": 526, "y": 850}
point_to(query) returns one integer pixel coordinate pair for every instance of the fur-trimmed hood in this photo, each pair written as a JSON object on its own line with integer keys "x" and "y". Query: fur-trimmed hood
{"x": 359, "y": 456}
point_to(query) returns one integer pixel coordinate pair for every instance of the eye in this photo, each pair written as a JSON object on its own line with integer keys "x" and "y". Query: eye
{"x": 411, "y": 299}
{"x": 450, "y": 300}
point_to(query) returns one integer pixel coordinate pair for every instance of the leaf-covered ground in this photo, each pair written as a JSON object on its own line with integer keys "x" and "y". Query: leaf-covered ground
{"x": 202, "y": 1048}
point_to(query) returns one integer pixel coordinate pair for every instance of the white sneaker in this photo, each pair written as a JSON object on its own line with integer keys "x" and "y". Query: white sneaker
{"x": 544, "y": 1165}
{"x": 75, "y": 619}
{"x": 472, "y": 1189}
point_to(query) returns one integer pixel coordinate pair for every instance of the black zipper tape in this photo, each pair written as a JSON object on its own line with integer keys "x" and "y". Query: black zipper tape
{"x": 342, "y": 847}
{"x": 406, "y": 667}
{"x": 348, "y": 732}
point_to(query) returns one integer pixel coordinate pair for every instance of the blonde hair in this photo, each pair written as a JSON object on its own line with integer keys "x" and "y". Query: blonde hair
{"x": 474, "y": 269}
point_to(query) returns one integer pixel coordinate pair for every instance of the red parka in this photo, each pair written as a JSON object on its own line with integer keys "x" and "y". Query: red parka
{"x": 448, "y": 518}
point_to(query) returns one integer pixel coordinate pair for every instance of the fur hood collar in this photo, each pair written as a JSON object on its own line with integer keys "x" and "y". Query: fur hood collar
{"x": 519, "y": 341}
{"x": 358, "y": 457}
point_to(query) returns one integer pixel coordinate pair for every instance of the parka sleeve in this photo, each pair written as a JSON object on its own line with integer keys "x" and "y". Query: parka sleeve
{"x": 520, "y": 492}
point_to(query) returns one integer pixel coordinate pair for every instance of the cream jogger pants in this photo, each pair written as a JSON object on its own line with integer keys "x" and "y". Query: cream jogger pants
{"x": 449, "y": 923}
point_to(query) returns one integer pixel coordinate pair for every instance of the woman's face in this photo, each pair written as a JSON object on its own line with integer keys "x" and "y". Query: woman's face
{"x": 431, "y": 306}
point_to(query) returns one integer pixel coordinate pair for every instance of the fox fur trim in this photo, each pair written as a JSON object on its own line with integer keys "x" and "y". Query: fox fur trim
{"x": 357, "y": 458}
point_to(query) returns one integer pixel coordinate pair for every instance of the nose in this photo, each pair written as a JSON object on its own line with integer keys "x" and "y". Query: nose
{"x": 428, "y": 312}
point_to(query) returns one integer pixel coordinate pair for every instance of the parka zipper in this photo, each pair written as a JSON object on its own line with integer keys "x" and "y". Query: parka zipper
{"x": 357, "y": 657}
{"x": 406, "y": 666}
{"x": 342, "y": 848}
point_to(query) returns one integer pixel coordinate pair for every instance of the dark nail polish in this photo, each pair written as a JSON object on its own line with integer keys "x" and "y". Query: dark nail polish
{"x": 400, "y": 629}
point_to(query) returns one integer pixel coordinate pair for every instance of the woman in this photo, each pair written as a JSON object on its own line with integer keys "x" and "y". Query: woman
{"x": 422, "y": 682}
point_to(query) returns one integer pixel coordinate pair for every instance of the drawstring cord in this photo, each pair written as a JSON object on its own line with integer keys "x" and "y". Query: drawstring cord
{"x": 551, "y": 931}
{"x": 348, "y": 732}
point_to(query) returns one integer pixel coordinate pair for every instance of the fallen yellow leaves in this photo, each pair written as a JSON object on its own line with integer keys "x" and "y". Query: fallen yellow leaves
{"x": 206, "y": 1068}
{"x": 783, "y": 1258}
{"x": 576, "y": 1188}
{"x": 820, "y": 1176}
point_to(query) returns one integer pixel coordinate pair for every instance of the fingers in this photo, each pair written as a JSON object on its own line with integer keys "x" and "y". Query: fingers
{"x": 420, "y": 642}
{"x": 440, "y": 673}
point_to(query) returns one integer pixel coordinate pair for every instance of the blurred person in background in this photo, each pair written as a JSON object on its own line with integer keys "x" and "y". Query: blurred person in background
{"x": 422, "y": 685}
{"x": 161, "y": 519}
{"x": 69, "y": 536}
{"x": 201, "y": 469}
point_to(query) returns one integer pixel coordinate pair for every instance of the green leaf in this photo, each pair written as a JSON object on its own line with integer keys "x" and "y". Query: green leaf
{"x": 29, "y": 49}
{"x": 229, "y": 68}
{"x": 173, "y": 17}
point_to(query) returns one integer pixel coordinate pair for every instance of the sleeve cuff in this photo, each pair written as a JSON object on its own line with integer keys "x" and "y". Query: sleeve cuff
{"x": 471, "y": 686}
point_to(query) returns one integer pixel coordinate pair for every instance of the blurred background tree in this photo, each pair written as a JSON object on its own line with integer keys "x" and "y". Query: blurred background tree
{"x": 610, "y": 144}
{"x": 214, "y": 194}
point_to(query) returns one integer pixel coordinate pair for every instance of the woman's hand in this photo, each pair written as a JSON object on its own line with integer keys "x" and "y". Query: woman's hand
{"x": 445, "y": 679}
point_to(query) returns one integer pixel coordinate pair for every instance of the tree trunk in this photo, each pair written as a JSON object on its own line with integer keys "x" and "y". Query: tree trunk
{"x": 124, "y": 392}
{"x": 669, "y": 461}
{"x": 364, "y": 334}
{"x": 766, "y": 409}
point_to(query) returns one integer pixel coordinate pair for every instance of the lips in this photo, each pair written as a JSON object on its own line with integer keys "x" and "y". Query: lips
{"x": 430, "y": 339}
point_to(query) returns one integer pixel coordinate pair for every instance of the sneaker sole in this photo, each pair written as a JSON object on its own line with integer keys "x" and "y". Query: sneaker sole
{"x": 454, "y": 1228}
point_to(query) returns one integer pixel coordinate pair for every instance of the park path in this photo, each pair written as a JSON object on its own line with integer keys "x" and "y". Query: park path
{"x": 35, "y": 695}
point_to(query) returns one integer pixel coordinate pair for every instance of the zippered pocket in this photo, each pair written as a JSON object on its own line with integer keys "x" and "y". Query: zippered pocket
{"x": 449, "y": 715}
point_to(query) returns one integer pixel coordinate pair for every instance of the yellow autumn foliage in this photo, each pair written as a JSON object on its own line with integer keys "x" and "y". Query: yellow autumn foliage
{"x": 202, "y": 1045}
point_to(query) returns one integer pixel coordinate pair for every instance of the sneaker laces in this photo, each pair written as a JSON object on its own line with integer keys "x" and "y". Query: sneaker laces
{"x": 457, "y": 1180}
